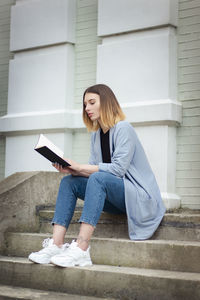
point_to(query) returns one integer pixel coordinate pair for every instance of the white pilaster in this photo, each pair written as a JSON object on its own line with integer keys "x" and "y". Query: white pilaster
{"x": 137, "y": 59}
{"x": 41, "y": 81}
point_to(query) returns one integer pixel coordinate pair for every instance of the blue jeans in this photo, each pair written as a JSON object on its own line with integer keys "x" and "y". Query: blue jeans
{"x": 101, "y": 191}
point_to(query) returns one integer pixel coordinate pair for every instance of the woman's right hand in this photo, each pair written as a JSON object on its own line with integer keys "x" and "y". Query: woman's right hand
{"x": 65, "y": 170}
{"x": 60, "y": 169}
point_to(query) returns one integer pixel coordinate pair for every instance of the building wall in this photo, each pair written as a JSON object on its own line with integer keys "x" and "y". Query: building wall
{"x": 93, "y": 43}
{"x": 62, "y": 53}
{"x": 188, "y": 134}
{"x": 5, "y": 55}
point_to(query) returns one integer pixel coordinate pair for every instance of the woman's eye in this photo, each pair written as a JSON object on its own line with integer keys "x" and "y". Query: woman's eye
{"x": 92, "y": 102}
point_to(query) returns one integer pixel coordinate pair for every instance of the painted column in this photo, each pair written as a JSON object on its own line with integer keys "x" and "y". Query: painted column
{"x": 137, "y": 59}
{"x": 41, "y": 81}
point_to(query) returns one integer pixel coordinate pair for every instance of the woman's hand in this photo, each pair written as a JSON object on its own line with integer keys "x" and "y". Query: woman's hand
{"x": 60, "y": 169}
{"x": 76, "y": 169}
{"x": 73, "y": 169}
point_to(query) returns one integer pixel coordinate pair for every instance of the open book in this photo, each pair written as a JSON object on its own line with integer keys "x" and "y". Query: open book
{"x": 46, "y": 148}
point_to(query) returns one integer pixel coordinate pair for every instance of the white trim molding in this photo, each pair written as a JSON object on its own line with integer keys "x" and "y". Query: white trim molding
{"x": 166, "y": 112}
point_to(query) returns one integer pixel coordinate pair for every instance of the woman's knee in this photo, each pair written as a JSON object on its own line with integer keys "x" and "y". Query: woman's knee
{"x": 98, "y": 177}
{"x": 69, "y": 181}
{"x": 75, "y": 184}
{"x": 66, "y": 180}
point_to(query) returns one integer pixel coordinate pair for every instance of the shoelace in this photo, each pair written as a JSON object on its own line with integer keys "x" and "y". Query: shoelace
{"x": 65, "y": 246}
{"x": 46, "y": 242}
{"x": 68, "y": 248}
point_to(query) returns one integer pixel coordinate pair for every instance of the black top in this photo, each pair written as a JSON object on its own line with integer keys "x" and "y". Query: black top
{"x": 105, "y": 146}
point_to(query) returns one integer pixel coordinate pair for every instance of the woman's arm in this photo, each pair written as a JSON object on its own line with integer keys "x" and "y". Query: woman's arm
{"x": 77, "y": 169}
{"x": 124, "y": 140}
{"x": 87, "y": 170}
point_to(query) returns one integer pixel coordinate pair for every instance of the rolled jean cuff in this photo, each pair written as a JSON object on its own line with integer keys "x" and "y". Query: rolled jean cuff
{"x": 57, "y": 222}
{"x": 84, "y": 220}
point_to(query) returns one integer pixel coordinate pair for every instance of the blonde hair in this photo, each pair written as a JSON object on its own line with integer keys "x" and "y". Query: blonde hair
{"x": 110, "y": 110}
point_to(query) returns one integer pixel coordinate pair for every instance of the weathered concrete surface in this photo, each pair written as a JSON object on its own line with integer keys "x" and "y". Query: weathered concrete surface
{"x": 182, "y": 226}
{"x": 102, "y": 281}
{"x": 151, "y": 254}
{"x": 20, "y": 193}
{"x": 109, "y": 225}
{"x": 14, "y": 293}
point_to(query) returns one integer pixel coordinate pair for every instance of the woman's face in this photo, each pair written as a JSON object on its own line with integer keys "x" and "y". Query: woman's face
{"x": 92, "y": 106}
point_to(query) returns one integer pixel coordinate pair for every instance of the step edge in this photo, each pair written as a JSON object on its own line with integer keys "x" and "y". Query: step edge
{"x": 120, "y": 240}
{"x": 189, "y": 276}
{"x": 5, "y": 290}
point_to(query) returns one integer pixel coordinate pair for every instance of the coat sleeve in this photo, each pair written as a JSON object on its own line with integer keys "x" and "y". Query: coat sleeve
{"x": 124, "y": 148}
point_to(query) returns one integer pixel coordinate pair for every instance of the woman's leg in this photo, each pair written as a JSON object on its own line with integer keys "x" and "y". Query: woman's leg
{"x": 85, "y": 234}
{"x": 101, "y": 187}
{"x": 59, "y": 232}
{"x": 71, "y": 188}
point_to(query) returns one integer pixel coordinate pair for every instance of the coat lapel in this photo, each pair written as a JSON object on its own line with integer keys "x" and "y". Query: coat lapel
{"x": 97, "y": 144}
{"x": 111, "y": 141}
{"x": 97, "y": 147}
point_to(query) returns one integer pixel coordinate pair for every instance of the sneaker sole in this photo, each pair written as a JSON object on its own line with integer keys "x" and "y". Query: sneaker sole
{"x": 38, "y": 262}
{"x": 84, "y": 264}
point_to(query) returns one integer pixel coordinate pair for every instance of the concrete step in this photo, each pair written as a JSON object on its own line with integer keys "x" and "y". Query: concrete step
{"x": 101, "y": 281}
{"x": 15, "y": 293}
{"x": 182, "y": 225}
{"x": 108, "y": 225}
{"x": 151, "y": 254}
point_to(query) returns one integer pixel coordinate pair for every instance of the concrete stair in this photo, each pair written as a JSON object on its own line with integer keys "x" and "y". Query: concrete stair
{"x": 164, "y": 267}
{"x": 14, "y": 293}
{"x": 150, "y": 254}
{"x": 183, "y": 225}
{"x": 101, "y": 280}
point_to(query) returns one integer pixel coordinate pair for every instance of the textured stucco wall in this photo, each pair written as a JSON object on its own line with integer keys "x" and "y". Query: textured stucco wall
{"x": 85, "y": 47}
{"x": 85, "y": 67}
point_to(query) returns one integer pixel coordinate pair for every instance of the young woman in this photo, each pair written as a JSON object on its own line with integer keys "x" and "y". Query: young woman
{"x": 118, "y": 179}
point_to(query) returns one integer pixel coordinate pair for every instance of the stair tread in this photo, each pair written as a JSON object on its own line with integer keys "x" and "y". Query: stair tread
{"x": 12, "y": 292}
{"x": 125, "y": 240}
{"x": 151, "y": 254}
{"x": 101, "y": 280}
{"x": 184, "y": 217}
{"x": 176, "y": 214}
{"x": 113, "y": 269}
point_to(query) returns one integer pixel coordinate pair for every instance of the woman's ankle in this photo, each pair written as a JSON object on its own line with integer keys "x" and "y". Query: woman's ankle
{"x": 59, "y": 232}
{"x": 59, "y": 244}
{"x": 82, "y": 243}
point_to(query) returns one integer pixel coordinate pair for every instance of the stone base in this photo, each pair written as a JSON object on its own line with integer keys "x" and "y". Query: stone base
{"x": 171, "y": 201}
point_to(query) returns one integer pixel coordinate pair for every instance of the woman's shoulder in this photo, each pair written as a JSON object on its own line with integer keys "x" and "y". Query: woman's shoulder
{"x": 124, "y": 124}
{"x": 124, "y": 128}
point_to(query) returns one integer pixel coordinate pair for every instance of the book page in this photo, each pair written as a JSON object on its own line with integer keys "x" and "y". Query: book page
{"x": 43, "y": 141}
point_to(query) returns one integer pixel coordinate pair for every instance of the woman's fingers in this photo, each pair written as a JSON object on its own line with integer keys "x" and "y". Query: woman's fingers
{"x": 60, "y": 168}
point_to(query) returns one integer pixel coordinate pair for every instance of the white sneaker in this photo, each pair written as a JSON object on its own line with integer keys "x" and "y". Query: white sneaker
{"x": 44, "y": 256}
{"x": 72, "y": 256}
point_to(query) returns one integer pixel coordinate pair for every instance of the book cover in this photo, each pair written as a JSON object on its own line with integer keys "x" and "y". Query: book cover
{"x": 47, "y": 149}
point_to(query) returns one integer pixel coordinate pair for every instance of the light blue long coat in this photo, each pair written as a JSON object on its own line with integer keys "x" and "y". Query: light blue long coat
{"x": 144, "y": 205}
